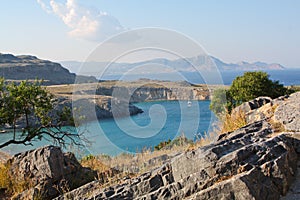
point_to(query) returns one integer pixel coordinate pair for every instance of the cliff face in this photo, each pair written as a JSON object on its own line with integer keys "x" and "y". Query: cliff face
{"x": 257, "y": 161}
{"x": 154, "y": 91}
{"x": 155, "y": 94}
{"x": 30, "y": 67}
{"x": 100, "y": 107}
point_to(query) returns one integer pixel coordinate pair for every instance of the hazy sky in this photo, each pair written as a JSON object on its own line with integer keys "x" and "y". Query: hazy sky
{"x": 232, "y": 30}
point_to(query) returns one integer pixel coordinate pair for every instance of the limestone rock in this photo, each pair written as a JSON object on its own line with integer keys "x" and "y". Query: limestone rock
{"x": 257, "y": 109}
{"x": 285, "y": 110}
{"x": 244, "y": 164}
{"x": 254, "y": 104}
{"x": 48, "y": 170}
{"x": 288, "y": 112}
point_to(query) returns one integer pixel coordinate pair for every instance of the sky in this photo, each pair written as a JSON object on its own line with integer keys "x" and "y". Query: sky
{"x": 231, "y": 30}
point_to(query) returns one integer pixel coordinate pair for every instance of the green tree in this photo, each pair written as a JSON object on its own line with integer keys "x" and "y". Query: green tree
{"x": 33, "y": 106}
{"x": 254, "y": 84}
{"x": 245, "y": 88}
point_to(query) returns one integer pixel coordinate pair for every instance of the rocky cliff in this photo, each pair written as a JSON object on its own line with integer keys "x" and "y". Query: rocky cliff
{"x": 30, "y": 67}
{"x": 149, "y": 90}
{"x": 257, "y": 161}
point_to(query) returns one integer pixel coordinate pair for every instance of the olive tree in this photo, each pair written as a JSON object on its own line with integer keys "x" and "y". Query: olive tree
{"x": 32, "y": 107}
{"x": 245, "y": 88}
{"x": 254, "y": 84}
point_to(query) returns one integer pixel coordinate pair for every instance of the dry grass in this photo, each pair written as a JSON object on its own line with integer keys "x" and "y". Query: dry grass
{"x": 4, "y": 177}
{"x": 12, "y": 184}
{"x": 207, "y": 139}
{"x": 233, "y": 121}
{"x": 94, "y": 163}
{"x": 223, "y": 178}
{"x": 116, "y": 169}
{"x": 277, "y": 126}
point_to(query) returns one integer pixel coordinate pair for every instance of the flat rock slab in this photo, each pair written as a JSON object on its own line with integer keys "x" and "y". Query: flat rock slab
{"x": 288, "y": 112}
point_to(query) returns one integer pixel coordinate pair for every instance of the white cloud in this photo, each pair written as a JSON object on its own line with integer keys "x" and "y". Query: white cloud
{"x": 84, "y": 23}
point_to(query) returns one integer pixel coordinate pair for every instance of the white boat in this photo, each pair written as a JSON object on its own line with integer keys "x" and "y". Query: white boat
{"x": 189, "y": 103}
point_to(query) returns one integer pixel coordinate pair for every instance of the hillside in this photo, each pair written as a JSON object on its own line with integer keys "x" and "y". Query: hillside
{"x": 28, "y": 67}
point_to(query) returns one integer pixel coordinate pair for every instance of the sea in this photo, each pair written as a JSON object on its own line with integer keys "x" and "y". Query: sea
{"x": 160, "y": 121}
{"x": 286, "y": 77}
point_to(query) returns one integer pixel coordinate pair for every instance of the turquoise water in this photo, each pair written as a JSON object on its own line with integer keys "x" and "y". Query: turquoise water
{"x": 160, "y": 121}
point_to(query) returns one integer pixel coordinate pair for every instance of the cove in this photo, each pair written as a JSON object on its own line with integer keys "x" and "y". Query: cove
{"x": 160, "y": 121}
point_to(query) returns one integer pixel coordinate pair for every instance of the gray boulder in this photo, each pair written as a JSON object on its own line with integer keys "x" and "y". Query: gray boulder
{"x": 254, "y": 104}
{"x": 49, "y": 171}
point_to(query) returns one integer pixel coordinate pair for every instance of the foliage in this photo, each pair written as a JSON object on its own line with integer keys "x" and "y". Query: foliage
{"x": 178, "y": 141}
{"x": 162, "y": 145}
{"x": 294, "y": 88}
{"x": 245, "y": 88}
{"x": 254, "y": 84}
{"x": 33, "y": 106}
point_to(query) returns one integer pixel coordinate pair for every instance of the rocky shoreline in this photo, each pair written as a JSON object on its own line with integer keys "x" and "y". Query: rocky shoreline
{"x": 257, "y": 161}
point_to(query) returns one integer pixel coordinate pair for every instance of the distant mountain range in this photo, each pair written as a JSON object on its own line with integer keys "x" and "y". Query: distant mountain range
{"x": 28, "y": 67}
{"x": 156, "y": 65}
{"x": 244, "y": 66}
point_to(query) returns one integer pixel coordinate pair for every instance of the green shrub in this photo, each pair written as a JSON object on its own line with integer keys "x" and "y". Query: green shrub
{"x": 245, "y": 88}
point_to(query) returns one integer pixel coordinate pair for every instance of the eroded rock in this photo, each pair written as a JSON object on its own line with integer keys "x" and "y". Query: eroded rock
{"x": 48, "y": 170}
{"x": 288, "y": 112}
{"x": 244, "y": 164}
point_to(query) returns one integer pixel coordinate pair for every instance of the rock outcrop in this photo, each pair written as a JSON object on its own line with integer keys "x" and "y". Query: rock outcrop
{"x": 288, "y": 112}
{"x": 100, "y": 107}
{"x": 284, "y": 110}
{"x": 49, "y": 171}
{"x": 147, "y": 90}
{"x": 249, "y": 163}
{"x": 162, "y": 93}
